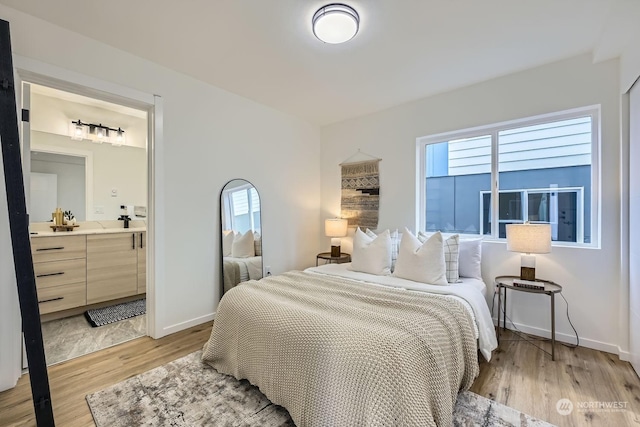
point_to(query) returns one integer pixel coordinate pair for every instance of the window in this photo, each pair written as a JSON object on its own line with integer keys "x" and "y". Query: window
{"x": 242, "y": 210}
{"x": 541, "y": 170}
{"x": 562, "y": 208}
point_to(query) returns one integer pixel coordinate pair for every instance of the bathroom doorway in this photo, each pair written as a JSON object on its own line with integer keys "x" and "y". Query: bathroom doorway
{"x": 96, "y": 182}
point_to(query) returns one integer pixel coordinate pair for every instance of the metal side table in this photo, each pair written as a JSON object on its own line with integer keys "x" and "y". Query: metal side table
{"x": 550, "y": 288}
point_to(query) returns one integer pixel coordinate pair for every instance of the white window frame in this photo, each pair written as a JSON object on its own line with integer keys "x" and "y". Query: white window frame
{"x": 493, "y": 130}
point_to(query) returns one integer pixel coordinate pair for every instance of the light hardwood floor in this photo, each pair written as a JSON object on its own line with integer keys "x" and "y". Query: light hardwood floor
{"x": 523, "y": 377}
{"x": 71, "y": 381}
{"x": 519, "y": 375}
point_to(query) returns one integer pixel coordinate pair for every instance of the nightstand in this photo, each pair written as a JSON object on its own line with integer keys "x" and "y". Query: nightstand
{"x": 329, "y": 259}
{"x": 550, "y": 288}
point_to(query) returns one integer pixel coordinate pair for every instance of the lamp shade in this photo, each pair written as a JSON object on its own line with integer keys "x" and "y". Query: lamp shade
{"x": 529, "y": 238}
{"x": 335, "y": 227}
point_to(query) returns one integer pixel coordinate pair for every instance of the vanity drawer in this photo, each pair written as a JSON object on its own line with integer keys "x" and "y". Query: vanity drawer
{"x": 56, "y": 273}
{"x": 56, "y": 248}
{"x": 62, "y": 297}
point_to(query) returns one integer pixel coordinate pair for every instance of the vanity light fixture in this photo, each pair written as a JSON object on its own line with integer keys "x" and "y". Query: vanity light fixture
{"x": 97, "y": 133}
{"x": 118, "y": 138}
{"x": 78, "y": 131}
{"x": 335, "y": 23}
{"x": 101, "y": 134}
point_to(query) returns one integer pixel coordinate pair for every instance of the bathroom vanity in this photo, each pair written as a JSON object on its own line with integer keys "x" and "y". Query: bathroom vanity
{"x": 97, "y": 262}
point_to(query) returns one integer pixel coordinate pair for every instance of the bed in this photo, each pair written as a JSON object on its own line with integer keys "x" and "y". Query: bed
{"x": 341, "y": 348}
{"x": 238, "y": 270}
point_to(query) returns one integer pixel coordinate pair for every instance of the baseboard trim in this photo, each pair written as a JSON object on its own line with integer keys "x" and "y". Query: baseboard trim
{"x": 172, "y": 329}
{"x": 565, "y": 338}
{"x": 624, "y": 355}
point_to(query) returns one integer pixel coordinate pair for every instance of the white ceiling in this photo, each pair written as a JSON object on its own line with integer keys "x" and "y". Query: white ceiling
{"x": 405, "y": 50}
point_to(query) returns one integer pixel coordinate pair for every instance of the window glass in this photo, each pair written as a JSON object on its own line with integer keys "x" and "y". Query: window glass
{"x": 245, "y": 210}
{"x": 551, "y": 164}
{"x": 457, "y": 172}
{"x": 540, "y": 170}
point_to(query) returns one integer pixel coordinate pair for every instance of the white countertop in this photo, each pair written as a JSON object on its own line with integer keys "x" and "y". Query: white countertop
{"x": 43, "y": 229}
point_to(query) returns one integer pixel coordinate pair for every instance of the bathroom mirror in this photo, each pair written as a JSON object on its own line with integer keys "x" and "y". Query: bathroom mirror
{"x": 240, "y": 234}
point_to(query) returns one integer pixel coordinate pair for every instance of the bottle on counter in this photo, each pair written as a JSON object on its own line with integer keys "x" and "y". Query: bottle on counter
{"x": 59, "y": 217}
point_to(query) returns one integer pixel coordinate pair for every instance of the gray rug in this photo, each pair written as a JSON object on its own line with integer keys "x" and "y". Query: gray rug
{"x": 114, "y": 313}
{"x": 187, "y": 392}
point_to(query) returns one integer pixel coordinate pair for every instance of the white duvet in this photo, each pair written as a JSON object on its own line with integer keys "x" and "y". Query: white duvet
{"x": 470, "y": 291}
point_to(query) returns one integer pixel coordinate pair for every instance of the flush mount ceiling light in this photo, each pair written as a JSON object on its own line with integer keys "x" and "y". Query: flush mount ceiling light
{"x": 335, "y": 23}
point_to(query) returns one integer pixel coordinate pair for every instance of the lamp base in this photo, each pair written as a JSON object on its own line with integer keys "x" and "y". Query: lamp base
{"x": 527, "y": 273}
{"x": 335, "y": 251}
{"x": 528, "y": 267}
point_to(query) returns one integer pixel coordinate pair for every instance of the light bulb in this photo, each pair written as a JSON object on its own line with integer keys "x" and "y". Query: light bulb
{"x": 77, "y": 131}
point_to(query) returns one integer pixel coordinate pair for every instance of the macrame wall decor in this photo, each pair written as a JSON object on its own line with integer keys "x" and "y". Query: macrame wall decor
{"x": 360, "y": 199}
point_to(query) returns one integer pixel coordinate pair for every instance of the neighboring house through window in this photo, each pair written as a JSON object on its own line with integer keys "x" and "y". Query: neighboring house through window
{"x": 542, "y": 170}
{"x": 242, "y": 209}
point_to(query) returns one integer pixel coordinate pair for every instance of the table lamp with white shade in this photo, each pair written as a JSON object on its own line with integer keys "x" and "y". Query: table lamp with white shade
{"x": 529, "y": 239}
{"x": 335, "y": 228}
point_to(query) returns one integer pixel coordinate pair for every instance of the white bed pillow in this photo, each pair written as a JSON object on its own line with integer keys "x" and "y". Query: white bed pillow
{"x": 421, "y": 262}
{"x": 470, "y": 260}
{"x": 227, "y": 241}
{"x": 243, "y": 245}
{"x": 395, "y": 244}
{"x": 451, "y": 255}
{"x": 371, "y": 254}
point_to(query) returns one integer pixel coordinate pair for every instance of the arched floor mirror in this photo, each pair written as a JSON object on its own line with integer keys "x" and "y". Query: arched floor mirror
{"x": 241, "y": 233}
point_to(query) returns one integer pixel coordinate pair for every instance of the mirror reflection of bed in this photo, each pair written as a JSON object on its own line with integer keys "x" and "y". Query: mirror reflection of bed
{"x": 241, "y": 233}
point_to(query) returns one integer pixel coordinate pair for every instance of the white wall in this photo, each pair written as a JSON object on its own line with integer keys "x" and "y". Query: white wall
{"x": 629, "y": 66}
{"x": 123, "y": 168}
{"x": 590, "y": 277}
{"x": 210, "y": 137}
{"x": 54, "y": 115}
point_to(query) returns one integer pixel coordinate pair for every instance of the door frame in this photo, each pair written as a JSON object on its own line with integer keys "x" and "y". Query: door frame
{"x": 34, "y": 71}
{"x": 629, "y": 301}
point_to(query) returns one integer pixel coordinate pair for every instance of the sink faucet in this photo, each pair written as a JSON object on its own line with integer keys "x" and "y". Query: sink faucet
{"x": 126, "y": 220}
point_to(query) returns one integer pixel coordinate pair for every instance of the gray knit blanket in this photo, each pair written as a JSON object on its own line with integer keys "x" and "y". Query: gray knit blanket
{"x": 336, "y": 352}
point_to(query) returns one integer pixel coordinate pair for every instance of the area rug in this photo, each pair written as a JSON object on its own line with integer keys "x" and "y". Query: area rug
{"x": 187, "y": 392}
{"x": 114, "y": 313}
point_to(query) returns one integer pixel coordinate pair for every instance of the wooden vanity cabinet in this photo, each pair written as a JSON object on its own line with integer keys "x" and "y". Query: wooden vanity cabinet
{"x": 112, "y": 266}
{"x": 79, "y": 270}
{"x": 60, "y": 267}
